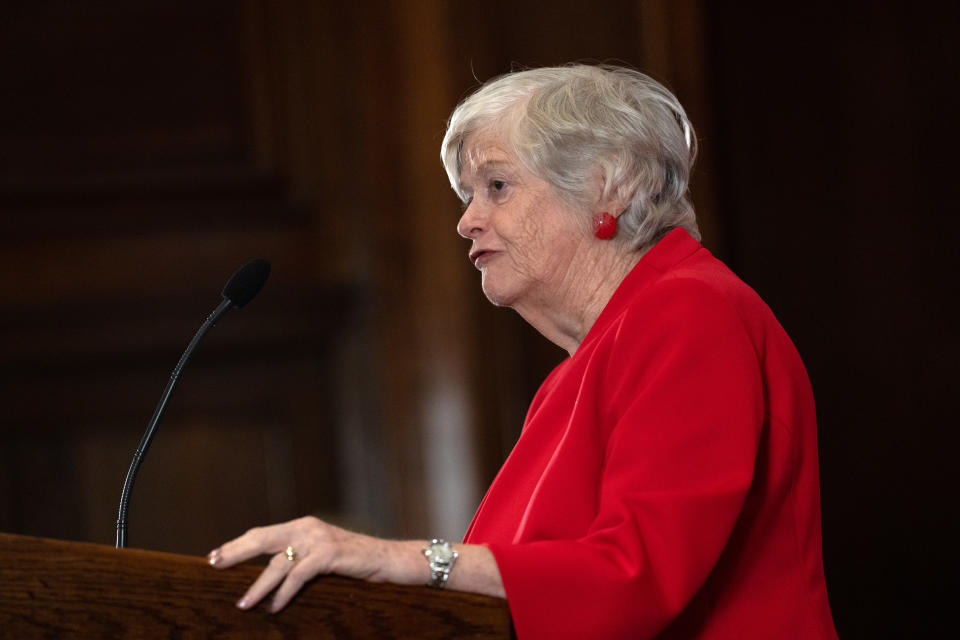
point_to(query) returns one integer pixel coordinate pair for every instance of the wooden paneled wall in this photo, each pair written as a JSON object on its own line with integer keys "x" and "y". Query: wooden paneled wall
{"x": 131, "y": 188}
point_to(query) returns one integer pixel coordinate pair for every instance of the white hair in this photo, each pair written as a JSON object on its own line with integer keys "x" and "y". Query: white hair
{"x": 569, "y": 124}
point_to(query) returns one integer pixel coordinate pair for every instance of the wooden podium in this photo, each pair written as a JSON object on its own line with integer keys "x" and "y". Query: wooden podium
{"x": 58, "y": 589}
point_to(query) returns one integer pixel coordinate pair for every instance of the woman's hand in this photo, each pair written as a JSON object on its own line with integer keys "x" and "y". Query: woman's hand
{"x": 318, "y": 548}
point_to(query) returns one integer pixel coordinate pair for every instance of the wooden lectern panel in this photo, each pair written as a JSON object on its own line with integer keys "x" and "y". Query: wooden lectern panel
{"x": 58, "y": 589}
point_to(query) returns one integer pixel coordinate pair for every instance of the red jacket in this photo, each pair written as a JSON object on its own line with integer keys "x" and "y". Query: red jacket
{"x": 665, "y": 484}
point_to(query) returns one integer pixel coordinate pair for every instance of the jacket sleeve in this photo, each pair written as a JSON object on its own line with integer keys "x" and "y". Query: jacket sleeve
{"x": 679, "y": 400}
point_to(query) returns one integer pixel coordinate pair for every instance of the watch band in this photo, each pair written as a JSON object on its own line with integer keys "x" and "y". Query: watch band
{"x": 440, "y": 557}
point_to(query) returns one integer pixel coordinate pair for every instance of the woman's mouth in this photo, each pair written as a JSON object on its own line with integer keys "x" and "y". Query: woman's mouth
{"x": 480, "y": 256}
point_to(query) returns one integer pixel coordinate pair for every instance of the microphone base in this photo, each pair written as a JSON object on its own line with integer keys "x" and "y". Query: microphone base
{"x": 121, "y": 536}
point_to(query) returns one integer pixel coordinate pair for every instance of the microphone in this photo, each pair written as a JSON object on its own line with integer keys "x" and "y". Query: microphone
{"x": 242, "y": 287}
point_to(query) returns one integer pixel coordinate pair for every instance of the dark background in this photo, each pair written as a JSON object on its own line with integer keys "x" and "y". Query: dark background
{"x": 147, "y": 149}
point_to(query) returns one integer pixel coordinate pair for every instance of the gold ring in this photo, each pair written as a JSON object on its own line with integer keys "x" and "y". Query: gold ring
{"x": 290, "y": 553}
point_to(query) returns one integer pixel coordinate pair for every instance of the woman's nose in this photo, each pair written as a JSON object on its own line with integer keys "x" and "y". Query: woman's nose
{"x": 471, "y": 222}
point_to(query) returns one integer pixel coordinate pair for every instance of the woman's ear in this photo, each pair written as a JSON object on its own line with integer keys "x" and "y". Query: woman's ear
{"x": 610, "y": 198}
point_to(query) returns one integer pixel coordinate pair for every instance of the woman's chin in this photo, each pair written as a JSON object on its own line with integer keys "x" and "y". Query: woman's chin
{"x": 497, "y": 296}
{"x": 496, "y": 300}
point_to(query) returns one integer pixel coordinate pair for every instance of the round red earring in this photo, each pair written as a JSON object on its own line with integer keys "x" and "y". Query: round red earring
{"x": 604, "y": 225}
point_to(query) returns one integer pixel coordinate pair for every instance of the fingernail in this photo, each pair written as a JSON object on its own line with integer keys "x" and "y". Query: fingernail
{"x": 242, "y": 603}
{"x": 213, "y": 557}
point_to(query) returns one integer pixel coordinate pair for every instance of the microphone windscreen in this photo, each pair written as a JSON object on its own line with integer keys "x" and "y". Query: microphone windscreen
{"x": 246, "y": 283}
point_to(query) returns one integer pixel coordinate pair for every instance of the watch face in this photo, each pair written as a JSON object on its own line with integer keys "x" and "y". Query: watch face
{"x": 441, "y": 557}
{"x": 441, "y": 553}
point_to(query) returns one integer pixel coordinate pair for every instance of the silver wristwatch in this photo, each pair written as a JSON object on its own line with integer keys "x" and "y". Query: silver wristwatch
{"x": 441, "y": 557}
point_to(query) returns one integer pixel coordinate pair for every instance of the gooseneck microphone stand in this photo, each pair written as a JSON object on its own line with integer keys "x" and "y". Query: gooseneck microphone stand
{"x": 241, "y": 288}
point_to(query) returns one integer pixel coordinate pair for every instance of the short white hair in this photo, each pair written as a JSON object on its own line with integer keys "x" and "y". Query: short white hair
{"x": 568, "y": 124}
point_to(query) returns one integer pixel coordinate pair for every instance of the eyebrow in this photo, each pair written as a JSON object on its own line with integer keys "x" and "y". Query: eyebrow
{"x": 486, "y": 165}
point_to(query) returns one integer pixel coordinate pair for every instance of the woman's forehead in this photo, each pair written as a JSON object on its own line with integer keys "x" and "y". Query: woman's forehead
{"x": 484, "y": 149}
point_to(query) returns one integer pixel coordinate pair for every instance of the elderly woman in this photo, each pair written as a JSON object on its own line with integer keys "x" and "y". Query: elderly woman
{"x": 665, "y": 482}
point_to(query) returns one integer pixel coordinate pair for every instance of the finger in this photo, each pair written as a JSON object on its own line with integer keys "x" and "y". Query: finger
{"x": 303, "y": 571}
{"x": 276, "y": 570}
{"x": 255, "y": 542}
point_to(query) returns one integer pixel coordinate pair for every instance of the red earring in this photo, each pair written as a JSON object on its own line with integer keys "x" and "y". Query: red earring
{"x": 604, "y": 225}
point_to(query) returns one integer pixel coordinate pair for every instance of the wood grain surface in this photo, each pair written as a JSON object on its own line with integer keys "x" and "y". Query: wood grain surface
{"x": 58, "y": 589}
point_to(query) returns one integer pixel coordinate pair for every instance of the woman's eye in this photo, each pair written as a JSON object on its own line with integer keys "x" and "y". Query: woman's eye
{"x": 498, "y": 185}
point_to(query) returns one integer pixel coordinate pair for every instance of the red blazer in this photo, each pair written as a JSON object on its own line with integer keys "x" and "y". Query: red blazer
{"x": 665, "y": 484}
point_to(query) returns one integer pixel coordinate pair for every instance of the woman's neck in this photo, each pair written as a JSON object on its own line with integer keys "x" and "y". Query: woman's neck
{"x": 565, "y": 316}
